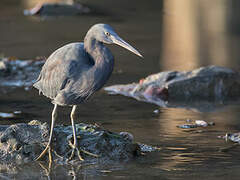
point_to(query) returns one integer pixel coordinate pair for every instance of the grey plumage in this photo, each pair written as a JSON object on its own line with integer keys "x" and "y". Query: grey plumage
{"x": 75, "y": 71}
{"x": 70, "y": 75}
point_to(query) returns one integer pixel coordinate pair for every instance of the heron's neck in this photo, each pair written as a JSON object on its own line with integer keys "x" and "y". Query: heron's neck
{"x": 92, "y": 46}
{"x": 103, "y": 60}
{"x": 96, "y": 49}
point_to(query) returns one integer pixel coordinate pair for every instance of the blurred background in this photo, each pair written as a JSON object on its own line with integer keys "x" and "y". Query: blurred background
{"x": 187, "y": 33}
{"x": 171, "y": 35}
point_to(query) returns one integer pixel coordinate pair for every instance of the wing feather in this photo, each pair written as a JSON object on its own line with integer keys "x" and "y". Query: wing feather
{"x": 60, "y": 69}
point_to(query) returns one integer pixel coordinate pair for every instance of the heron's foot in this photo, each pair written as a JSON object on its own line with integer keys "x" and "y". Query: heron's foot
{"x": 73, "y": 152}
{"x": 48, "y": 150}
{"x": 44, "y": 152}
{"x": 78, "y": 150}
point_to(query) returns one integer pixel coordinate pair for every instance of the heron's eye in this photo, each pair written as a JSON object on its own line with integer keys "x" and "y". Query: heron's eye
{"x": 107, "y": 33}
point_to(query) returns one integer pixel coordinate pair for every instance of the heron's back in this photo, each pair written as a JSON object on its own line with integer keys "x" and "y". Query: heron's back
{"x": 64, "y": 65}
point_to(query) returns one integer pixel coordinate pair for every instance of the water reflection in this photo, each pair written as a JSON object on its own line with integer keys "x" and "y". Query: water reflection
{"x": 197, "y": 33}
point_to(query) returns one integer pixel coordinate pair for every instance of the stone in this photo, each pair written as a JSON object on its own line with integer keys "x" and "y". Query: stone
{"x": 57, "y": 9}
{"x": 205, "y": 83}
{"x": 22, "y": 143}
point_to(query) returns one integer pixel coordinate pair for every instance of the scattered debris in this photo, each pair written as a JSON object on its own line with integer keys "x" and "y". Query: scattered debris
{"x": 6, "y": 115}
{"x": 201, "y": 123}
{"x": 106, "y": 171}
{"x": 234, "y": 137}
{"x": 197, "y": 123}
{"x": 187, "y": 126}
{"x": 15, "y": 114}
{"x": 146, "y": 148}
{"x": 19, "y": 73}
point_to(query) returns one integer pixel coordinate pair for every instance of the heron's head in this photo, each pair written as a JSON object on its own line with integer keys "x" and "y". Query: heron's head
{"x": 105, "y": 33}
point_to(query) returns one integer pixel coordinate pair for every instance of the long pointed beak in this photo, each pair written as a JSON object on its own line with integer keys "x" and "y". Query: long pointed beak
{"x": 119, "y": 41}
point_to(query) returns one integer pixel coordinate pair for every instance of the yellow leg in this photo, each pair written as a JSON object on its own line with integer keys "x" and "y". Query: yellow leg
{"x": 74, "y": 145}
{"x": 48, "y": 147}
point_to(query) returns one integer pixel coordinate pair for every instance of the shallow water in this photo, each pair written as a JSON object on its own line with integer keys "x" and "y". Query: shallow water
{"x": 185, "y": 153}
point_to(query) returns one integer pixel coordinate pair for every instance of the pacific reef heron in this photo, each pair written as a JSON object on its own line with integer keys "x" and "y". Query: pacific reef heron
{"x": 74, "y": 72}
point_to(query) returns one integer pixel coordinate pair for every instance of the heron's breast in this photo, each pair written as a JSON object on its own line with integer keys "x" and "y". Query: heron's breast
{"x": 102, "y": 73}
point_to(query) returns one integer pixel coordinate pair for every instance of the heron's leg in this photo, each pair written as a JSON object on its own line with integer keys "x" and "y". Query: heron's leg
{"x": 48, "y": 147}
{"x": 74, "y": 145}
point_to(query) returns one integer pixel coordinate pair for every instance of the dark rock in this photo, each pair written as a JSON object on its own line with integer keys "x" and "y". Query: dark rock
{"x": 57, "y": 9}
{"x": 205, "y": 83}
{"x": 21, "y": 143}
